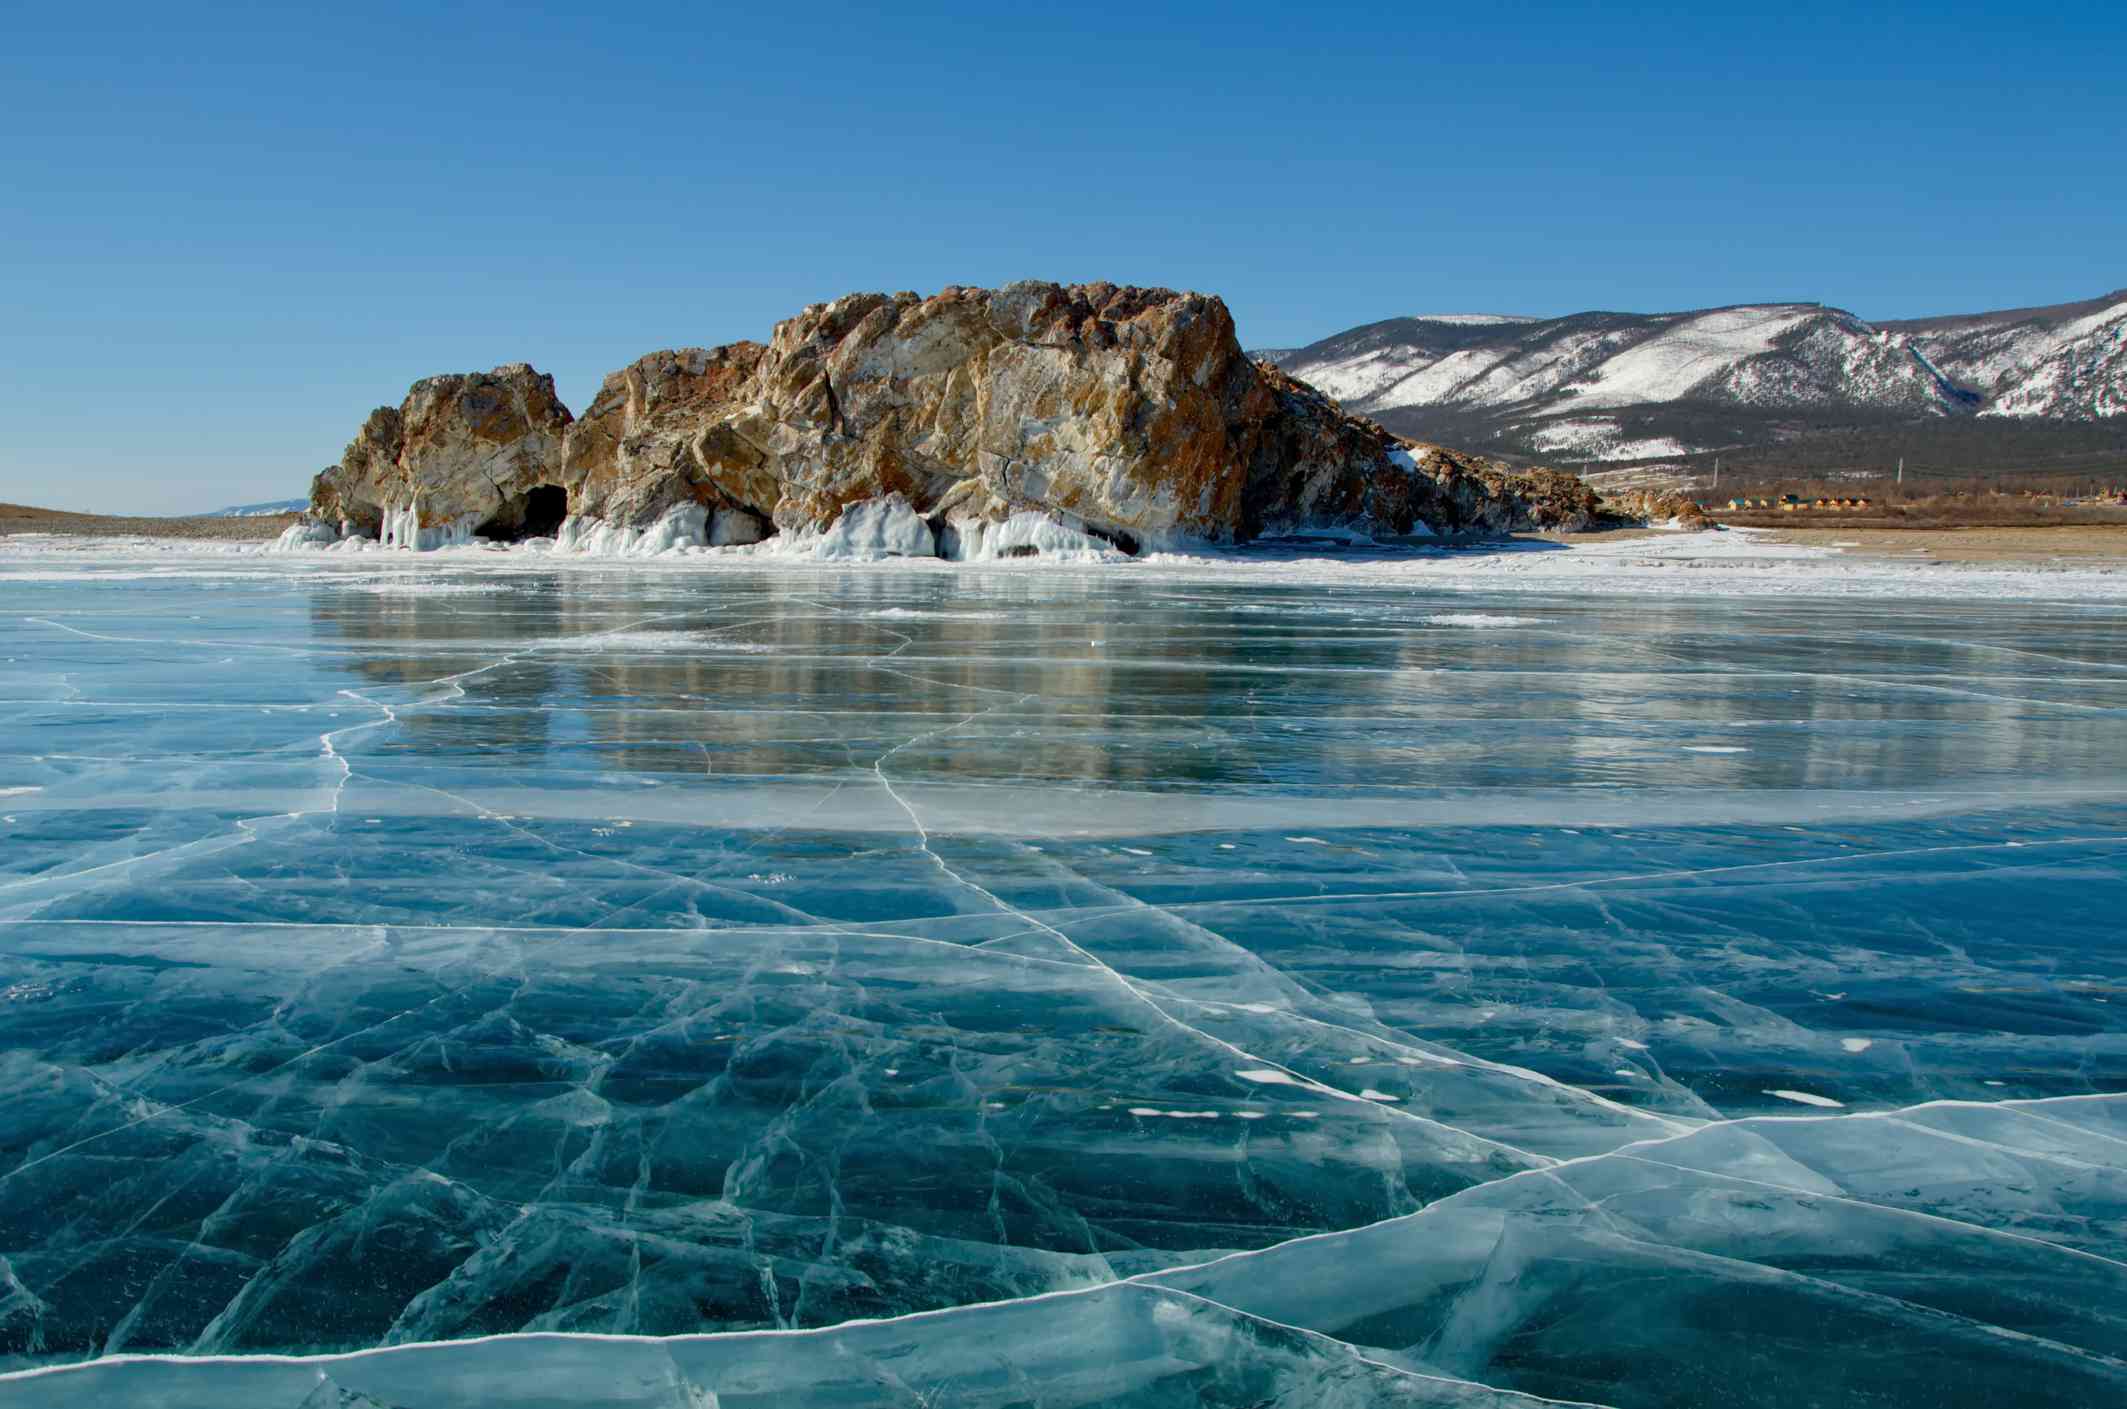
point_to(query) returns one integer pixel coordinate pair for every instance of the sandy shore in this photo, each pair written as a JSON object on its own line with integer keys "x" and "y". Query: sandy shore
{"x": 2081, "y": 545}
{"x": 20, "y": 518}
{"x": 2070, "y": 545}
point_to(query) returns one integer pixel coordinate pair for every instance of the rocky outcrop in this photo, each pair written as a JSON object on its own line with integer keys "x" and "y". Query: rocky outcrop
{"x": 1128, "y": 414}
{"x": 659, "y": 436}
{"x": 1652, "y": 506}
{"x": 1326, "y": 469}
{"x": 462, "y": 455}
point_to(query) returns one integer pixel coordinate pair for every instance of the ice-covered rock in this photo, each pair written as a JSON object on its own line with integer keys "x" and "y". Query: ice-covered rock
{"x": 409, "y": 528}
{"x": 307, "y": 533}
{"x": 876, "y": 528}
{"x": 681, "y": 526}
{"x": 1024, "y": 535}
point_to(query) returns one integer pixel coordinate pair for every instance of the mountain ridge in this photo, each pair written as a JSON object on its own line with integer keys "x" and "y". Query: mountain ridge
{"x": 1609, "y": 386}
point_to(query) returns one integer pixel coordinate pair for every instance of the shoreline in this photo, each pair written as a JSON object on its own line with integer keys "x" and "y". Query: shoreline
{"x": 23, "y": 520}
{"x": 1948, "y": 565}
{"x": 2076, "y": 544}
{"x": 2101, "y": 546}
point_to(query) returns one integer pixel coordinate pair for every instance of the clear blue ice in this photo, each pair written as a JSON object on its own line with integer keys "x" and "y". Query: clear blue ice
{"x": 1035, "y": 988}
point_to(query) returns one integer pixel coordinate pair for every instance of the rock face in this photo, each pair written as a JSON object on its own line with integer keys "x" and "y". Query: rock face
{"x": 658, "y": 436}
{"x": 1129, "y": 414}
{"x": 472, "y": 446}
{"x": 1654, "y": 506}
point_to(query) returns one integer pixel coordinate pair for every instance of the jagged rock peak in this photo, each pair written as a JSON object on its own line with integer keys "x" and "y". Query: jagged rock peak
{"x": 1128, "y": 413}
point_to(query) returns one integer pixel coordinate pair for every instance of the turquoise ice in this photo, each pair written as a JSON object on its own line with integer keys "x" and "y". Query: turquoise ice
{"x": 918, "y": 987}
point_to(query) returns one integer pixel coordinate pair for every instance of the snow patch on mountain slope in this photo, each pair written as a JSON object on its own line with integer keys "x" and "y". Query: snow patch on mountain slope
{"x": 2077, "y": 370}
{"x": 1835, "y": 358}
{"x": 1675, "y": 362}
{"x": 1496, "y": 377}
{"x": 1600, "y": 438}
{"x": 1765, "y": 355}
{"x": 2081, "y": 383}
{"x": 1602, "y": 386}
{"x": 1356, "y": 380}
{"x": 1994, "y": 352}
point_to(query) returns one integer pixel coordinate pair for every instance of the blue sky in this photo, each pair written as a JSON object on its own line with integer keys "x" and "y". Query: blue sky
{"x": 229, "y": 232}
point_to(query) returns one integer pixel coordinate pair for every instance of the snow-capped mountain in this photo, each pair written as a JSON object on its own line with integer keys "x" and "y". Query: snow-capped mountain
{"x": 1618, "y": 386}
{"x": 2068, "y": 361}
{"x": 257, "y": 511}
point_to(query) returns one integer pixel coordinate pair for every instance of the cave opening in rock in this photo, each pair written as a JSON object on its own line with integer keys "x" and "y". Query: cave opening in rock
{"x": 538, "y": 513}
{"x": 544, "y": 509}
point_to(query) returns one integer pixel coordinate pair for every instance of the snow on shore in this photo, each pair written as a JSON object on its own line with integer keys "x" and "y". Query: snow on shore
{"x": 1733, "y": 563}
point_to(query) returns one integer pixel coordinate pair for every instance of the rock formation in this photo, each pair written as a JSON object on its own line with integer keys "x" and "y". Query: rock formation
{"x": 1653, "y": 506}
{"x": 462, "y": 451}
{"x": 1127, "y": 414}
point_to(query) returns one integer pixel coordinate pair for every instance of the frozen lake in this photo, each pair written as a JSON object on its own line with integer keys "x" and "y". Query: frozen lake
{"x": 1193, "y": 992}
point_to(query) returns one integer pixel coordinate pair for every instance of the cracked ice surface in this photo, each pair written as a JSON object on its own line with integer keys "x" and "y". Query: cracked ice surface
{"x": 760, "y": 986}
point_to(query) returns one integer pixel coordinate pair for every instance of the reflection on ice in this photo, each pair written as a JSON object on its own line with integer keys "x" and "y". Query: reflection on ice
{"x": 911, "y": 989}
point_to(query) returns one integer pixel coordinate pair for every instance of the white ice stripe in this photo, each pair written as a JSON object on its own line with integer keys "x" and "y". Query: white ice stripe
{"x": 1480, "y": 621}
{"x": 1804, "y": 1098}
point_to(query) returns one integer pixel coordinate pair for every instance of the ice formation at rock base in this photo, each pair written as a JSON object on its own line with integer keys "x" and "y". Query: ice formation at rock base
{"x": 869, "y": 531}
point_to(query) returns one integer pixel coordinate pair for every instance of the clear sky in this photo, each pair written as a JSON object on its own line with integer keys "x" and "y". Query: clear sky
{"x": 228, "y": 232}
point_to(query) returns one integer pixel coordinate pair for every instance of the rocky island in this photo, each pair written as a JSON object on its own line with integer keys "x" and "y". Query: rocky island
{"x": 972, "y": 424}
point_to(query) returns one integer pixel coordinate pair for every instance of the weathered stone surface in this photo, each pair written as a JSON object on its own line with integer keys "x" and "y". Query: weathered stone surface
{"x": 1126, "y": 409}
{"x": 1130, "y": 412}
{"x": 465, "y": 446}
{"x": 1318, "y": 467}
{"x": 659, "y": 434}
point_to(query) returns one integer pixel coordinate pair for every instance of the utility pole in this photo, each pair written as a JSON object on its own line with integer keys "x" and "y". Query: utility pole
{"x": 1901, "y": 469}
